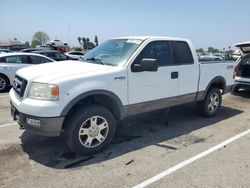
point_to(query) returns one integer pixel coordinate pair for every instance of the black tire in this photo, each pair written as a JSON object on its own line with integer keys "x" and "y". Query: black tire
{"x": 203, "y": 107}
{"x": 236, "y": 89}
{"x": 82, "y": 117}
{"x": 4, "y": 83}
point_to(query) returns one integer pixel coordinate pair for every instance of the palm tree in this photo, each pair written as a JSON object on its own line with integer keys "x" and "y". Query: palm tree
{"x": 96, "y": 41}
{"x": 87, "y": 43}
{"x": 79, "y": 40}
{"x": 84, "y": 41}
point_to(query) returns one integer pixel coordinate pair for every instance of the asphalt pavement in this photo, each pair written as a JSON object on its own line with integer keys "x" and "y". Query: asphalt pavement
{"x": 144, "y": 148}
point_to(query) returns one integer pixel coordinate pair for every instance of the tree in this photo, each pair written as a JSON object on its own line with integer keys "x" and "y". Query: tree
{"x": 39, "y": 38}
{"x": 213, "y": 50}
{"x": 87, "y": 42}
{"x": 96, "y": 41}
{"x": 80, "y": 41}
{"x": 76, "y": 49}
{"x": 27, "y": 44}
{"x": 91, "y": 45}
{"x": 84, "y": 43}
{"x": 200, "y": 50}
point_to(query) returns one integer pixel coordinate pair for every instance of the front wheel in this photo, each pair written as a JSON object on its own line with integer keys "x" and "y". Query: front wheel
{"x": 90, "y": 129}
{"x": 211, "y": 104}
{"x": 4, "y": 83}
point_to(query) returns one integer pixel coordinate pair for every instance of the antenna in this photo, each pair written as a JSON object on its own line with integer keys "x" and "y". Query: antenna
{"x": 69, "y": 35}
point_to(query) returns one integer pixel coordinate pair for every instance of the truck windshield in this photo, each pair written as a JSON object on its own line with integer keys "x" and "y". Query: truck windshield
{"x": 112, "y": 52}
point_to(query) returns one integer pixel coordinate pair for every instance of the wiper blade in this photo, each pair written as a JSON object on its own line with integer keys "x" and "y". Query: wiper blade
{"x": 95, "y": 60}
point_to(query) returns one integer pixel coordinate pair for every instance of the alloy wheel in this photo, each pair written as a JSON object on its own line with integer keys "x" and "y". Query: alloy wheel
{"x": 93, "y": 131}
{"x": 2, "y": 84}
{"x": 213, "y": 102}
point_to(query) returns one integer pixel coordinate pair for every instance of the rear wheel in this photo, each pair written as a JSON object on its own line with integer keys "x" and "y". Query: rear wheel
{"x": 4, "y": 83}
{"x": 211, "y": 104}
{"x": 90, "y": 130}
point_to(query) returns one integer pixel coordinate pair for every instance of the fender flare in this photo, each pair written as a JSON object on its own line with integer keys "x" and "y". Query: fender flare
{"x": 217, "y": 79}
{"x": 110, "y": 94}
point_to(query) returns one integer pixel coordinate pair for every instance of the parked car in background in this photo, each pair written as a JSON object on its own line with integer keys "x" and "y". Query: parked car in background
{"x": 56, "y": 43}
{"x": 33, "y": 49}
{"x": 5, "y": 51}
{"x": 74, "y": 54}
{"x": 11, "y": 62}
{"x": 242, "y": 68}
{"x": 211, "y": 58}
{"x": 54, "y": 54}
{"x": 43, "y": 47}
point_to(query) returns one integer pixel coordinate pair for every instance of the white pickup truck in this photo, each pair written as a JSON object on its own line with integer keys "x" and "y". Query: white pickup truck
{"x": 120, "y": 78}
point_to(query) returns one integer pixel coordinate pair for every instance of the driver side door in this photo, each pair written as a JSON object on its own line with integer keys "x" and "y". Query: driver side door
{"x": 153, "y": 90}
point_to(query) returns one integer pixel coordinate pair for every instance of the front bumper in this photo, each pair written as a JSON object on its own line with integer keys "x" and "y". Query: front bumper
{"x": 48, "y": 126}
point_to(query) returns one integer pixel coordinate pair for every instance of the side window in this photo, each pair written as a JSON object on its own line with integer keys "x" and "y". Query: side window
{"x": 2, "y": 60}
{"x": 16, "y": 59}
{"x": 60, "y": 56}
{"x": 181, "y": 52}
{"x": 38, "y": 60}
{"x": 76, "y": 53}
{"x": 48, "y": 54}
{"x": 157, "y": 50}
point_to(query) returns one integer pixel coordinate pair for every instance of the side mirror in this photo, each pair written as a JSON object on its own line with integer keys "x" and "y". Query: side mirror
{"x": 146, "y": 64}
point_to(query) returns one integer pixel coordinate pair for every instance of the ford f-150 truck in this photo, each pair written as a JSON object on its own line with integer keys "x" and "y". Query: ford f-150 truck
{"x": 120, "y": 78}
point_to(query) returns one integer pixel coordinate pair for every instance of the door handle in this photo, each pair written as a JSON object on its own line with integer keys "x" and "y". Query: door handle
{"x": 174, "y": 75}
{"x": 120, "y": 78}
{"x": 7, "y": 68}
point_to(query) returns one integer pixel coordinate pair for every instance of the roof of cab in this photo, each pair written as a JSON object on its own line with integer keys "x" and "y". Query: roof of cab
{"x": 151, "y": 37}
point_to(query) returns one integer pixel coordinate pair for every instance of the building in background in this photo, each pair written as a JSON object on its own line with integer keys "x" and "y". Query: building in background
{"x": 12, "y": 44}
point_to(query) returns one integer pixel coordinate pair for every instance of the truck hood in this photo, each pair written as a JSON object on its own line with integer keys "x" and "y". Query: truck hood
{"x": 244, "y": 47}
{"x": 50, "y": 72}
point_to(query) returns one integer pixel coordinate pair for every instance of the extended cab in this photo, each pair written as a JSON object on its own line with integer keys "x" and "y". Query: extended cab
{"x": 120, "y": 78}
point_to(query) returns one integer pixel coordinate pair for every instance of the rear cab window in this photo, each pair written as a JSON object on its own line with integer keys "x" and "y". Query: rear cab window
{"x": 182, "y": 54}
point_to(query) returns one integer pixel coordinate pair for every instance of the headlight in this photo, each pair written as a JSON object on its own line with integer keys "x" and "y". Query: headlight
{"x": 44, "y": 91}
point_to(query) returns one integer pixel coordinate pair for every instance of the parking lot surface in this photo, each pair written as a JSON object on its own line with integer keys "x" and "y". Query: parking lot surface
{"x": 143, "y": 148}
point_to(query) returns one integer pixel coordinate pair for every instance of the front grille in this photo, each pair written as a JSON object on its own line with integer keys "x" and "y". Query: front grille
{"x": 19, "y": 86}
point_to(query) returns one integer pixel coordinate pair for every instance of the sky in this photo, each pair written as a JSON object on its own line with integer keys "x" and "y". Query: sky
{"x": 217, "y": 23}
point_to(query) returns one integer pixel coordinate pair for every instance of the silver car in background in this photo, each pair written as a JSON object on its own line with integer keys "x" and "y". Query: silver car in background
{"x": 76, "y": 55}
{"x": 242, "y": 68}
{"x": 11, "y": 62}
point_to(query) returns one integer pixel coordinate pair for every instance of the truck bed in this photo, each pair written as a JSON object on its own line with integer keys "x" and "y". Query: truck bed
{"x": 212, "y": 69}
